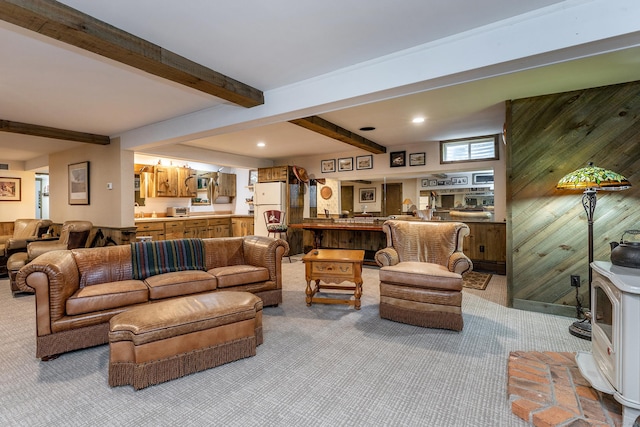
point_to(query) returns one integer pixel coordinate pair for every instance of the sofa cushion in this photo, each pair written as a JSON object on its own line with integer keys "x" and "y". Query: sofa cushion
{"x": 235, "y": 275}
{"x": 106, "y": 296}
{"x": 421, "y": 275}
{"x": 165, "y": 256}
{"x": 180, "y": 283}
{"x": 103, "y": 265}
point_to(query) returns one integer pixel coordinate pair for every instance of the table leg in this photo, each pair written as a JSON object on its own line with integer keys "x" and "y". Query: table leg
{"x": 357, "y": 294}
{"x": 309, "y": 293}
{"x": 317, "y": 238}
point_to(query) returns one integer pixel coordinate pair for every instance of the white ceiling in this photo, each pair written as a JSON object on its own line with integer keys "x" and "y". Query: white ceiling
{"x": 283, "y": 44}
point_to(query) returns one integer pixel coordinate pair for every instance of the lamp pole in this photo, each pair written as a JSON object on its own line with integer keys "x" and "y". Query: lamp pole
{"x": 589, "y": 203}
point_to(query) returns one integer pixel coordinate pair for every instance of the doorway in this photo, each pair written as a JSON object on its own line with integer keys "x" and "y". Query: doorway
{"x": 346, "y": 198}
{"x": 392, "y": 199}
{"x": 42, "y": 196}
{"x": 448, "y": 201}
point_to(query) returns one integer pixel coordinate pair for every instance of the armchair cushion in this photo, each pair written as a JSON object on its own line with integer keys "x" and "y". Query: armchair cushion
{"x": 421, "y": 275}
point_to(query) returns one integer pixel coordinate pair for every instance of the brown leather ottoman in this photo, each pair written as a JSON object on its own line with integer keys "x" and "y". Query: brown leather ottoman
{"x": 166, "y": 340}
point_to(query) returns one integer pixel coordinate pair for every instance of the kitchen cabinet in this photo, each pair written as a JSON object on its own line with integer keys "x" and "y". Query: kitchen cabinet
{"x": 218, "y": 227}
{"x": 153, "y": 229}
{"x": 174, "y": 229}
{"x": 486, "y": 246}
{"x": 166, "y": 181}
{"x": 241, "y": 227}
{"x": 224, "y": 185}
{"x": 174, "y": 181}
{"x": 273, "y": 174}
{"x": 196, "y": 229}
{"x": 187, "y": 183}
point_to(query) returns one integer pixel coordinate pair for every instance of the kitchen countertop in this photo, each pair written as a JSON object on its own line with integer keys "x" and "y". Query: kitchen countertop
{"x": 186, "y": 218}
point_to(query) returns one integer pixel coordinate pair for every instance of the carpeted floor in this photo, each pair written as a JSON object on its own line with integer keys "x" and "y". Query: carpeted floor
{"x": 324, "y": 365}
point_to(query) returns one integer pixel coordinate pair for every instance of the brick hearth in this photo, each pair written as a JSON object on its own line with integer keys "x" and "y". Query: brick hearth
{"x": 546, "y": 389}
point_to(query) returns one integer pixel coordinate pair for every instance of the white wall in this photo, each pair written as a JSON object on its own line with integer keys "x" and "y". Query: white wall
{"x": 26, "y": 207}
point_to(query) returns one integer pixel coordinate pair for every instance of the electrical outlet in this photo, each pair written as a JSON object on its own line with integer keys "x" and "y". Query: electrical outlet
{"x": 575, "y": 280}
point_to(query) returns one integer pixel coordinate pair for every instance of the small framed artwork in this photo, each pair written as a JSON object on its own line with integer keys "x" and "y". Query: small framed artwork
{"x": 425, "y": 182}
{"x": 364, "y": 162}
{"x": 398, "y": 159}
{"x": 367, "y": 195}
{"x": 459, "y": 180}
{"x": 345, "y": 164}
{"x": 79, "y": 183}
{"x": 10, "y": 189}
{"x": 417, "y": 159}
{"x": 327, "y": 166}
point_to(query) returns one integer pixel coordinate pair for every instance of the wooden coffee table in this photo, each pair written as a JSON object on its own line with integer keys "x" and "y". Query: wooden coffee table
{"x": 334, "y": 266}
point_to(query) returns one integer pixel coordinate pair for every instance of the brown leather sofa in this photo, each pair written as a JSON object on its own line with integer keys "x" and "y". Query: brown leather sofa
{"x": 421, "y": 273}
{"x": 78, "y": 291}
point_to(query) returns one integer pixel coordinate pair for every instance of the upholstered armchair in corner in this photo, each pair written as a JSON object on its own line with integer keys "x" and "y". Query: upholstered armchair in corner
{"x": 23, "y": 229}
{"x": 421, "y": 273}
{"x": 74, "y": 234}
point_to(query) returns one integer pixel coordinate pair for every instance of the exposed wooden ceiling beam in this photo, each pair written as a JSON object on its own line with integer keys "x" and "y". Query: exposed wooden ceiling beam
{"x": 58, "y": 21}
{"x": 48, "y": 132}
{"x": 334, "y": 131}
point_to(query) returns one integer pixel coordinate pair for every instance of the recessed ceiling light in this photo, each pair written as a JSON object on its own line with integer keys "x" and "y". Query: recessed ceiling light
{"x": 418, "y": 120}
{"x": 261, "y": 144}
{"x": 367, "y": 128}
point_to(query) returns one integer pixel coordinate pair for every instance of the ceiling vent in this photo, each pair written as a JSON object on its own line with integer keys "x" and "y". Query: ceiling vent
{"x": 4, "y": 166}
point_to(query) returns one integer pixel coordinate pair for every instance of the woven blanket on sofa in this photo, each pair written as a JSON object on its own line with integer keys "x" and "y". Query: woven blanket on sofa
{"x": 164, "y": 256}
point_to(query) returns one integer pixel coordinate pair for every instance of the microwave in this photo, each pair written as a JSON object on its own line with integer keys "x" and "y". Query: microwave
{"x": 178, "y": 211}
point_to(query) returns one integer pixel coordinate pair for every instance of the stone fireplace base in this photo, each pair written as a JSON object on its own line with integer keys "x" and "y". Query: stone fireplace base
{"x": 547, "y": 389}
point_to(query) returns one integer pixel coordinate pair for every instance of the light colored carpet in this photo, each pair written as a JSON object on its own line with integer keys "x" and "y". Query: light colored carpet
{"x": 325, "y": 365}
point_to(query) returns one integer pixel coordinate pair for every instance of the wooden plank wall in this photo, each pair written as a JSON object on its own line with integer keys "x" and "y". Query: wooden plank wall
{"x": 550, "y": 136}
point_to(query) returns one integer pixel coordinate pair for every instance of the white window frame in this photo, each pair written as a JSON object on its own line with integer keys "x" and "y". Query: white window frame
{"x": 468, "y": 143}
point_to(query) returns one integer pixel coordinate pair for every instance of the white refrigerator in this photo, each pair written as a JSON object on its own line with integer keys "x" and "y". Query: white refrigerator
{"x": 267, "y": 196}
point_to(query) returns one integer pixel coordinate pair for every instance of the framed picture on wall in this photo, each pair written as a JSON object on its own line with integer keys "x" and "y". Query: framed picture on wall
{"x": 364, "y": 162}
{"x": 10, "y": 189}
{"x": 79, "y": 183}
{"x": 398, "y": 159}
{"x": 417, "y": 159}
{"x": 345, "y": 164}
{"x": 327, "y": 166}
{"x": 367, "y": 195}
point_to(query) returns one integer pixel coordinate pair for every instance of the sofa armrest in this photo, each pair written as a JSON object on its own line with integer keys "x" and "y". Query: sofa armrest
{"x": 15, "y": 245}
{"x": 459, "y": 263}
{"x": 386, "y": 257}
{"x": 265, "y": 252}
{"x": 35, "y": 249}
{"x": 53, "y": 277}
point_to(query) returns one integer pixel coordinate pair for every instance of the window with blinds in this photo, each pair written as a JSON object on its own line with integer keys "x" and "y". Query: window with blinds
{"x": 469, "y": 149}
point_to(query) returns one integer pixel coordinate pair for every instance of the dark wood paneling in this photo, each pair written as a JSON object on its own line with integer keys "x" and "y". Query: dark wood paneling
{"x": 550, "y": 136}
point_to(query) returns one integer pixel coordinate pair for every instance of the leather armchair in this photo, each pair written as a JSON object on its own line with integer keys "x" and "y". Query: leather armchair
{"x": 23, "y": 229}
{"x": 73, "y": 235}
{"x": 421, "y": 273}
